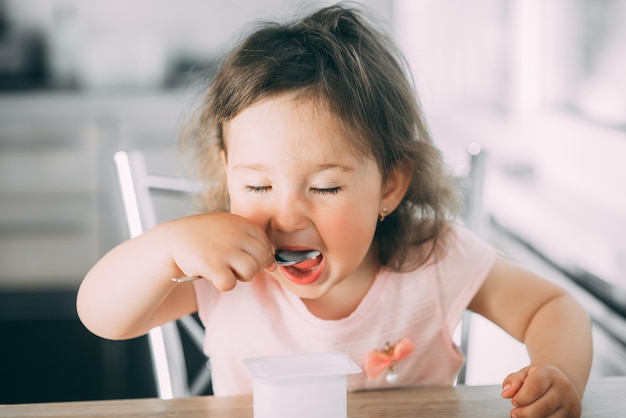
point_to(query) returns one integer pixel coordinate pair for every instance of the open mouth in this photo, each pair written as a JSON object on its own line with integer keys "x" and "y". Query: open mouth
{"x": 304, "y": 272}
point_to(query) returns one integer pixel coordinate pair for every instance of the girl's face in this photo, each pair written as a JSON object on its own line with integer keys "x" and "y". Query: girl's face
{"x": 291, "y": 171}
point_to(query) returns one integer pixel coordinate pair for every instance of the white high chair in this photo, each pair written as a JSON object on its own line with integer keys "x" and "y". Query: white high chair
{"x": 166, "y": 348}
{"x": 472, "y": 185}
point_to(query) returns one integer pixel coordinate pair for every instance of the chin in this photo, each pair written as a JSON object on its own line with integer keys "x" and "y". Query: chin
{"x": 311, "y": 291}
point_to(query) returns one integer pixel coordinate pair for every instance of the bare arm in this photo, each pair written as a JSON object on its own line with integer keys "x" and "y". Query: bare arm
{"x": 552, "y": 324}
{"x": 129, "y": 291}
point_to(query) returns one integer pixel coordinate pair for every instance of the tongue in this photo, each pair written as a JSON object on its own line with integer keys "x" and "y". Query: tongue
{"x": 307, "y": 264}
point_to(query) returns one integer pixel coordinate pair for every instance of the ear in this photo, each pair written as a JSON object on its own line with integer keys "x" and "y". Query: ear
{"x": 395, "y": 188}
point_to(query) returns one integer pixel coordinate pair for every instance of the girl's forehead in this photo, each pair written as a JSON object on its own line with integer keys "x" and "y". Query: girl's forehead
{"x": 291, "y": 120}
{"x": 291, "y": 105}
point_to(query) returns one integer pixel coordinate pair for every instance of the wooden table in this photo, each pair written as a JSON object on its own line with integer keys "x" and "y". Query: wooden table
{"x": 604, "y": 397}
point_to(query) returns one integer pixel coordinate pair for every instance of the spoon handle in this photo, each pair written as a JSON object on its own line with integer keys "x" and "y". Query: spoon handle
{"x": 185, "y": 279}
{"x": 283, "y": 258}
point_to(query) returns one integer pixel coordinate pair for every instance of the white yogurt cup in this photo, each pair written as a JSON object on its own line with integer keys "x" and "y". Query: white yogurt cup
{"x": 303, "y": 386}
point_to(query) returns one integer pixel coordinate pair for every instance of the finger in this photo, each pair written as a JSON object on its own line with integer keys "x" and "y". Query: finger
{"x": 265, "y": 252}
{"x": 261, "y": 253}
{"x": 534, "y": 387}
{"x": 223, "y": 279}
{"x": 245, "y": 267}
{"x": 272, "y": 266}
{"x": 513, "y": 382}
{"x": 548, "y": 405}
{"x": 258, "y": 234}
{"x": 242, "y": 264}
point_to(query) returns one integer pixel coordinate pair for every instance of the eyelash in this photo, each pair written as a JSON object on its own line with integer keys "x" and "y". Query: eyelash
{"x": 328, "y": 191}
{"x": 258, "y": 189}
{"x": 265, "y": 189}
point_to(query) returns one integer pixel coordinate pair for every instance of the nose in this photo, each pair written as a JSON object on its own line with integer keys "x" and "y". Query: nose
{"x": 290, "y": 213}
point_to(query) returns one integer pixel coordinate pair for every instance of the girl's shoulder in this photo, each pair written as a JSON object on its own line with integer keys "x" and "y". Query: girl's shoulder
{"x": 452, "y": 239}
{"x": 459, "y": 245}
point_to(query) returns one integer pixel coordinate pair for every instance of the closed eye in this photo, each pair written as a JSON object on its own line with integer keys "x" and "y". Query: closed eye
{"x": 259, "y": 189}
{"x": 327, "y": 191}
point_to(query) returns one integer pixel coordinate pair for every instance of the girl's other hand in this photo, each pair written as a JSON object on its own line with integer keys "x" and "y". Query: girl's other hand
{"x": 542, "y": 390}
{"x": 220, "y": 247}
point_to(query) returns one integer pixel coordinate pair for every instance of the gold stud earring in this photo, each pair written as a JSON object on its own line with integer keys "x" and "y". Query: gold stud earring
{"x": 383, "y": 213}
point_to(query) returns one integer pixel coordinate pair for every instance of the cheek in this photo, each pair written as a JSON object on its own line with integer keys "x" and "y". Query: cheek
{"x": 244, "y": 208}
{"x": 349, "y": 231}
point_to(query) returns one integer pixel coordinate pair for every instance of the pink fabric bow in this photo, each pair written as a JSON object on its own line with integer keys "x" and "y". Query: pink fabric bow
{"x": 378, "y": 361}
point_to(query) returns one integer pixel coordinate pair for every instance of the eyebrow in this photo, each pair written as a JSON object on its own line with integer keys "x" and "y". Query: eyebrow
{"x": 255, "y": 167}
{"x": 319, "y": 167}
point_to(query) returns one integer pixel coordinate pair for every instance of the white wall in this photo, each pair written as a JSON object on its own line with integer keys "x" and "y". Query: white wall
{"x": 132, "y": 42}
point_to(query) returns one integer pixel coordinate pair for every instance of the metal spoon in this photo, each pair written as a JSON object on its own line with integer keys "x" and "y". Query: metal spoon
{"x": 289, "y": 258}
{"x": 283, "y": 258}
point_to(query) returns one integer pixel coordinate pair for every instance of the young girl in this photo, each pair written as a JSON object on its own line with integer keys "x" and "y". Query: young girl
{"x": 315, "y": 131}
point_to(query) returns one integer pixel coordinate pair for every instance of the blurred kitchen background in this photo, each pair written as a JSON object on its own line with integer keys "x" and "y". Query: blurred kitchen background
{"x": 540, "y": 85}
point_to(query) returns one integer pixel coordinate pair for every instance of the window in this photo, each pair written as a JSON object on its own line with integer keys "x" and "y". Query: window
{"x": 596, "y": 63}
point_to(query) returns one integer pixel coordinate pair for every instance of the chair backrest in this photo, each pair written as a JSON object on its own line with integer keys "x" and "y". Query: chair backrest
{"x": 471, "y": 183}
{"x": 169, "y": 364}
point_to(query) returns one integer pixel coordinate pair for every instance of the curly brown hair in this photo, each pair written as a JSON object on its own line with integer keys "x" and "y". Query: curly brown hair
{"x": 338, "y": 56}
